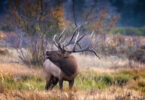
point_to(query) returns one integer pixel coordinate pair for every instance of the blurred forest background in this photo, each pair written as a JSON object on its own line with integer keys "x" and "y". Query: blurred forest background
{"x": 119, "y": 25}
{"x": 131, "y": 11}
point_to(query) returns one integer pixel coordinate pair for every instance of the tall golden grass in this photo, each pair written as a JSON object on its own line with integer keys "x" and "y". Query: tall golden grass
{"x": 85, "y": 62}
{"x": 113, "y": 93}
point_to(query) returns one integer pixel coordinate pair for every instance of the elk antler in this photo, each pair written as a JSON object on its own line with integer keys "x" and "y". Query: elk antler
{"x": 74, "y": 33}
{"x": 77, "y": 39}
{"x": 58, "y": 44}
{"x": 82, "y": 49}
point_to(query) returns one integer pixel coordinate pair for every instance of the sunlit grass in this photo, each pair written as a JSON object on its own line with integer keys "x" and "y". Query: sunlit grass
{"x": 20, "y": 81}
{"x": 23, "y": 82}
{"x": 86, "y": 80}
{"x": 31, "y": 85}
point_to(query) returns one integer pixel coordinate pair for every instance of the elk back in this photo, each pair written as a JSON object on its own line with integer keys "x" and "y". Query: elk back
{"x": 67, "y": 64}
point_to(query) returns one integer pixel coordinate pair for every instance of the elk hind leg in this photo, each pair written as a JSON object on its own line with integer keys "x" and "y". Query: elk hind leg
{"x": 48, "y": 84}
{"x": 71, "y": 84}
{"x": 54, "y": 81}
{"x": 61, "y": 84}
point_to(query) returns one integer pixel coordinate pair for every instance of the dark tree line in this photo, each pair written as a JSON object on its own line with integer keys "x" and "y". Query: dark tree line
{"x": 131, "y": 12}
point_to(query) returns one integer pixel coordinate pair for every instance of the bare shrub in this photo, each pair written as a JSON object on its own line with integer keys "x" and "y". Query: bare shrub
{"x": 4, "y": 52}
{"x": 138, "y": 55}
{"x": 33, "y": 55}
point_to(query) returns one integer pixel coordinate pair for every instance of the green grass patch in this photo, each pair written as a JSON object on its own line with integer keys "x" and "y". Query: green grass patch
{"x": 129, "y": 31}
{"x": 23, "y": 82}
{"x": 85, "y": 80}
{"x": 121, "y": 79}
{"x": 107, "y": 79}
{"x": 136, "y": 77}
{"x": 139, "y": 86}
{"x": 142, "y": 74}
{"x": 126, "y": 72}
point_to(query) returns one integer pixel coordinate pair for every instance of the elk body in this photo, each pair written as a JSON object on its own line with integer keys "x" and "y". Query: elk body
{"x": 60, "y": 65}
{"x": 59, "y": 68}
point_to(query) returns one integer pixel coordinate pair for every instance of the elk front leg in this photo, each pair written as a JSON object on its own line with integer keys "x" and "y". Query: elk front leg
{"x": 71, "y": 84}
{"x": 48, "y": 82}
{"x": 61, "y": 84}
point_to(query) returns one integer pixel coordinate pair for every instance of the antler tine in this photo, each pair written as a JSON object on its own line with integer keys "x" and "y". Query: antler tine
{"x": 92, "y": 50}
{"x": 61, "y": 35}
{"x": 76, "y": 40}
{"x": 74, "y": 33}
{"x": 84, "y": 49}
{"x": 81, "y": 37}
{"x": 80, "y": 40}
{"x": 54, "y": 40}
{"x": 90, "y": 40}
{"x": 57, "y": 44}
{"x": 77, "y": 37}
{"x": 92, "y": 34}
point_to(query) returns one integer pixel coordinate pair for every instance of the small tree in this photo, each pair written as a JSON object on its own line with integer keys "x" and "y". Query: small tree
{"x": 35, "y": 20}
{"x": 102, "y": 23}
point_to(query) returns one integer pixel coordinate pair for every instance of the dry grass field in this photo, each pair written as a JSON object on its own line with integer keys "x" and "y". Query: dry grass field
{"x": 105, "y": 39}
{"x": 109, "y": 78}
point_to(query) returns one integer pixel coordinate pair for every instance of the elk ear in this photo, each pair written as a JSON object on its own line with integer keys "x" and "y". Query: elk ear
{"x": 65, "y": 55}
{"x": 60, "y": 54}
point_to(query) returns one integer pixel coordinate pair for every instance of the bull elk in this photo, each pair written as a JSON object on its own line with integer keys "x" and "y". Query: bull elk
{"x": 60, "y": 65}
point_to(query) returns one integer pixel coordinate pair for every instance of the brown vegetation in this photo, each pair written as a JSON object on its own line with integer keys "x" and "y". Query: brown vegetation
{"x": 113, "y": 93}
{"x": 18, "y": 69}
{"x": 4, "y": 52}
